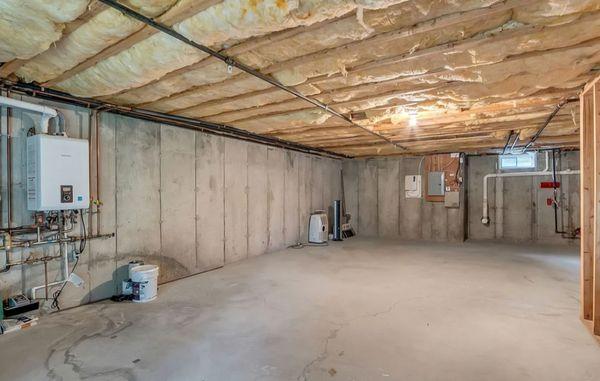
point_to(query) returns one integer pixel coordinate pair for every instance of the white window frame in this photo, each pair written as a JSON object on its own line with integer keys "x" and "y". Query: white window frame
{"x": 521, "y": 162}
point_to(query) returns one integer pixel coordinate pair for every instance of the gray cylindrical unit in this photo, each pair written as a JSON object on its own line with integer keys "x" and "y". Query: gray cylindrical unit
{"x": 337, "y": 220}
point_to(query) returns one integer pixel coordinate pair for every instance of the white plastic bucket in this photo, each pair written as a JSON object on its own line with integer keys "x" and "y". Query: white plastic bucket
{"x": 145, "y": 283}
{"x": 132, "y": 265}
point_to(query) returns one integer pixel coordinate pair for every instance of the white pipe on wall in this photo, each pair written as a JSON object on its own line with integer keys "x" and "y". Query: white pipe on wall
{"x": 546, "y": 172}
{"x": 64, "y": 253}
{"x": 47, "y": 112}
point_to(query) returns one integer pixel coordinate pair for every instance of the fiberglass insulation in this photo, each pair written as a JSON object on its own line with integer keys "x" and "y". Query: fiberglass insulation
{"x": 101, "y": 31}
{"x": 225, "y": 23}
{"x": 28, "y": 27}
{"x": 333, "y": 62}
{"x": 344, "y": 30}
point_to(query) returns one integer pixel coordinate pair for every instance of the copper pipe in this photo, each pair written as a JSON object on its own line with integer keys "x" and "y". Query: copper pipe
{"x": 69, "y": 239}
{"x": 98, "y": 208}
{"x": 46, "y": 279}
{"x": 90, "y": 119}
{"x": 9, "y": 212}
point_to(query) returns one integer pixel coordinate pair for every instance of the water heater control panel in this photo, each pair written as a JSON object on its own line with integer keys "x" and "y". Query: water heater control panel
{"x": 57, "y": 173}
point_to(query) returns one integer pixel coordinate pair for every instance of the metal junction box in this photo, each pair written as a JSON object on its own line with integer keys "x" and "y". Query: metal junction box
{"x": 435, "y": 184}
{"x": 57, "y": 173}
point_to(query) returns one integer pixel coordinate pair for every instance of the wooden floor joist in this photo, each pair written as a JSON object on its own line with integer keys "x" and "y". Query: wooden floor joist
{"x": 173, "y": 16}
{"x": 93, "y": 9}
{"x": 464, "y": 69}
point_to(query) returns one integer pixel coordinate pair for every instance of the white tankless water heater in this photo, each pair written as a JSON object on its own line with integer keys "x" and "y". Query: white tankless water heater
{"x": 57, "y": 173}
{"x": 318, "y": 228}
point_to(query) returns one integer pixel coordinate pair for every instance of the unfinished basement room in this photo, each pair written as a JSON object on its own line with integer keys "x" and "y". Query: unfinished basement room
{"x": 300, "y": 190}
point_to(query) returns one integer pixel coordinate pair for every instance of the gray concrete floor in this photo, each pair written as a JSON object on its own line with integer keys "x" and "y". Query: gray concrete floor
{"x": 357, "y": 310}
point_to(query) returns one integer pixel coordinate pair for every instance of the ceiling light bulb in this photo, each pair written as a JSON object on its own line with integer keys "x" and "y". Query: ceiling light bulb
{"x": 412, "y": 120}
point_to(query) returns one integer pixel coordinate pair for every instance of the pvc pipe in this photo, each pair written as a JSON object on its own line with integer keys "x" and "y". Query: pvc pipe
{"x": 546, "y": 172}
{"x": 47, "y": 112}
{"x": 64, "y": 252}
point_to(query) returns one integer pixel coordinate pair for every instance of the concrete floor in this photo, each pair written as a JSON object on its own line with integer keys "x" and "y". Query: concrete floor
{"x": 357, "y": 310}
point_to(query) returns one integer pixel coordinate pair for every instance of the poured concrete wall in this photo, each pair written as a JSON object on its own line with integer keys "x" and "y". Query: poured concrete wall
{"x": 182, "y": 199}
{"x": 518, "y": 209}
{"x": 374, "y": 190}
{"x": 518, "y": 206}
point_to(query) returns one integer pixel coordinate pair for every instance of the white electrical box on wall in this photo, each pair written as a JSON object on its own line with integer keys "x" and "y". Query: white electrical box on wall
{"x": 412, "y": 186}
{"x": 57, "y": 173}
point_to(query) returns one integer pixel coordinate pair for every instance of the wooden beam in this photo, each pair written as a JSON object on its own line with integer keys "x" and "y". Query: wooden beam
{"x": 320, "y": 136}
{"x": 243, "y": 47}
{"x": 586, "y": 147}
{"x": 374, "y": 92}
{"x": 334, "y": 91}
{"x": 428, "y": 26}
{"x": 171, "y": 17}
{"x": 596, "y": 256}
{"x": 422, "y": 27}
{"x": 477, "y": 145}
{"x": 389, "y": 62}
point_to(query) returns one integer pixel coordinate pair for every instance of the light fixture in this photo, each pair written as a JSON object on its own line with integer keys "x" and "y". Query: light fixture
{"x": 412, "y": 118}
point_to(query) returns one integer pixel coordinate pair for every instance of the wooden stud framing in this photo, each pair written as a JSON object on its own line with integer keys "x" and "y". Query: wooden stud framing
{"x": 590, "y": 204}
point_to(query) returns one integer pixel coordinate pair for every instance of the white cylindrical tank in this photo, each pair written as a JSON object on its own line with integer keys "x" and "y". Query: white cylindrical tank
{"x": 145, "y": 283}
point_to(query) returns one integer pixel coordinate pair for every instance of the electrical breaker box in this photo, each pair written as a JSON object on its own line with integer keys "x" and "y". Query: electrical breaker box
{"x": 57, "y": 173}
{"x": 435, "y": 184}
{"x": 412, "y": 186}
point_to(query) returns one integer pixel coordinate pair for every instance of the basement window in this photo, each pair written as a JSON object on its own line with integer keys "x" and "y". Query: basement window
{"x": 517, "y": 161}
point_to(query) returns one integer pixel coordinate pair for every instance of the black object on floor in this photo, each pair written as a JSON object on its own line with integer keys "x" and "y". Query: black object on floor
{"x": 121, "y": 298}
{"x": 19, "y": 304}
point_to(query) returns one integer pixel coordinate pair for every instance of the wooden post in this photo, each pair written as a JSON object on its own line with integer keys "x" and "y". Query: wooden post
{"x": 587, "y": 208}
{"x": 596, "y": 266}
{"x": 590, "y": 204}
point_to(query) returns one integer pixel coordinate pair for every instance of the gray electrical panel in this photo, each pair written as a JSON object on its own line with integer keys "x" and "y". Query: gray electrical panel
{"x": 452, "y": 200}
{"x": 435, "y": 184}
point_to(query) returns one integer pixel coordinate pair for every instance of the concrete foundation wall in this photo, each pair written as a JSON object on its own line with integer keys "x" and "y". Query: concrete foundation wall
{"x": 518, "y": 209}
{"x": 374, "y": 190}
{"x": 182, "y": 199}
{"x": 518, "y": 206}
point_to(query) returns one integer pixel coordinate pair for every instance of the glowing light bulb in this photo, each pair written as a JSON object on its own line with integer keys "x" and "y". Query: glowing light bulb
{"x": 412, "y": 119}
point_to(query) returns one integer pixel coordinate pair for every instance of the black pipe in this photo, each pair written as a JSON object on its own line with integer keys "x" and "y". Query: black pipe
{"x": 337, "y": 220}
{"x": 548, "y": 120}
{"x": 507, "y": 142}
{"x": 555, "y": 188}
{"x": 512, "y": 147}
{"x": 232, "y": 62}
{"x": 154, "y": 116}
{"x": 9, "y": 172}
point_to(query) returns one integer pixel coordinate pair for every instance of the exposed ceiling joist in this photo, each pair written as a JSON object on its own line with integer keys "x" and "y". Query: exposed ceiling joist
{"x": 231, "y": 62}
{"x": 462, "y": 70}
{"x": 171, "y": 17}
{"x": 94, "y": 8}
